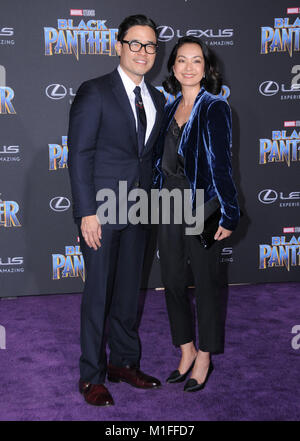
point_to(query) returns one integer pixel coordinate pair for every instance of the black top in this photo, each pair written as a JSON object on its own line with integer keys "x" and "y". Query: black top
{"x": 172, "y": 162}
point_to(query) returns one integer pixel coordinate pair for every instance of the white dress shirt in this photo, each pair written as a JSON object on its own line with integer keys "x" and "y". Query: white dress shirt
{"x": 149, "y": 107}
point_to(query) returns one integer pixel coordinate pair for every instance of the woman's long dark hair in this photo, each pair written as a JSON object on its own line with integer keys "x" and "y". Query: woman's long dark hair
{"x": 212, "y": 81}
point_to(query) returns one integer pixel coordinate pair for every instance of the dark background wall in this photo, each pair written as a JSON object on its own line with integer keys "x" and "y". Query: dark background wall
{"x": 39, "y": 253}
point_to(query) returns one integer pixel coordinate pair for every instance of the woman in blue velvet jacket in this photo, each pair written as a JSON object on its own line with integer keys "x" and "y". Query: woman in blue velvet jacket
{"x": 193, "y": 152}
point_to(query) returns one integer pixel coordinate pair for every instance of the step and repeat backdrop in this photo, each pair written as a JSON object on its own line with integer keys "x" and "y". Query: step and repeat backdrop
{"x": 47, "y": 49}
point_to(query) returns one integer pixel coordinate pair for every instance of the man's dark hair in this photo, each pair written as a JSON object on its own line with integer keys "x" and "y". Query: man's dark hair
{"x": 135, "y": 20}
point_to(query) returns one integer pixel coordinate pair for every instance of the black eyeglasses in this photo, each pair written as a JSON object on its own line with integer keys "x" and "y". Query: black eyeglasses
{"x": 136, "y": 46}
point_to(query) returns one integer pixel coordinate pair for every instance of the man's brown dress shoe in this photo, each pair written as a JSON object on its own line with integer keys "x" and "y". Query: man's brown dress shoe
{"x": 133, "y": 376}
{"x": 95, "y": 394}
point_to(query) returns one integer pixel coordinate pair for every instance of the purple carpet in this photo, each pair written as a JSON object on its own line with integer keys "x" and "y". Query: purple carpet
{"x": 257, "y": 377}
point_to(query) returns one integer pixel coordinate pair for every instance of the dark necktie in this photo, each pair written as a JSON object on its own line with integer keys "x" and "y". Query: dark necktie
{"x": 141, "y": 119}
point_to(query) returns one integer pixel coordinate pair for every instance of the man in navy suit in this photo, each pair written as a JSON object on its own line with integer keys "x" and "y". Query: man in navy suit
{"x": 114, "y": 122}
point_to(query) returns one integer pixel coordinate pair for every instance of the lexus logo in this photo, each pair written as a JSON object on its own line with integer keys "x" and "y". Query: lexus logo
{"x": 269, "y": 88}
{"x": 11, "y": 261}
{"x": 60, "y": 203}
{"x": 56, "y": 91}
{"x": 6, "y": 32}
{"x": 165, "y": 33}
{"x": 267, "y": 196}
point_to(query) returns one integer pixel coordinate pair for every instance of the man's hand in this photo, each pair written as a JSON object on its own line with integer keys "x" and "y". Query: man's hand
{"x": 222, "y": 233}
{"x": 91, "y": 231}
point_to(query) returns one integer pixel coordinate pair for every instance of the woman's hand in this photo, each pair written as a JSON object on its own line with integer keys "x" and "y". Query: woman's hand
{"x": 222, "y": 233}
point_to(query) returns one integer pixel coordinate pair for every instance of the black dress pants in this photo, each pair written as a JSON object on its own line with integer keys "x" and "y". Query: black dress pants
{"x": 175, "y": 248}
{"x": 111, "y": 291}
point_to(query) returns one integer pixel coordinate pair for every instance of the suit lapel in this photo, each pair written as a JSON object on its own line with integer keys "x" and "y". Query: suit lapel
{"x": 158, "y": 118}
{"x": 123, "y": 100}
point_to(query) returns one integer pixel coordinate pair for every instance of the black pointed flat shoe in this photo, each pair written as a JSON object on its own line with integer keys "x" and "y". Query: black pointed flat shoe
{"x": 177, "y": 377}
{"x": 192, "y": 385}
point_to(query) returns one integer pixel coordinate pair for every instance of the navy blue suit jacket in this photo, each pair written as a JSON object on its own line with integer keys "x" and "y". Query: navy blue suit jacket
{"x": 102, "y": 141}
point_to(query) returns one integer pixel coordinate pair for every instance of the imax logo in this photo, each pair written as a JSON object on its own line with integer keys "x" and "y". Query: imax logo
{"x": 60, "y": 203}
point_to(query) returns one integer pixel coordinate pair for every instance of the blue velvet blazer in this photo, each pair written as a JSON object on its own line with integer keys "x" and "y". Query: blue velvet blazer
{"x": 206, "y": 148}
